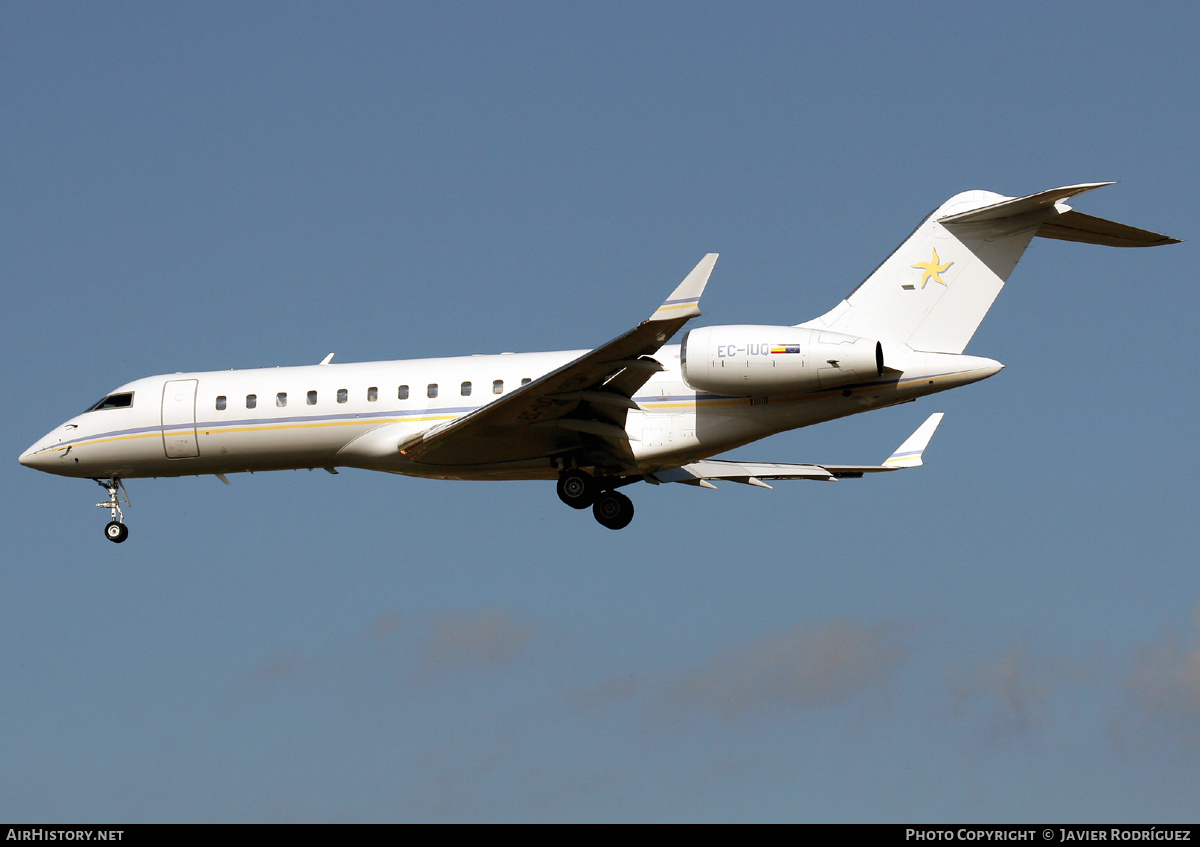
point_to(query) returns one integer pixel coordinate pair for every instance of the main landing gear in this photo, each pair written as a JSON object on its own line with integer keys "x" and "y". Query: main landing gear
{"x": 115, "y": 530}
{"x": 579, "y": 489}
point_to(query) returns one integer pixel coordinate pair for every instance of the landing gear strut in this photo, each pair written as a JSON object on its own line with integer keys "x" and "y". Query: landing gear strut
{"x": 115, "y": 530}
{"x": 579, "y": 489}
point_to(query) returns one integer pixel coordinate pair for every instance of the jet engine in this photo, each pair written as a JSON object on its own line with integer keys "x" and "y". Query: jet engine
{"x": 763, "y": 360}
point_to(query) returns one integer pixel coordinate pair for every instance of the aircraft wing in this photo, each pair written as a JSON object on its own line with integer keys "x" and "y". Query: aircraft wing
{"x": 907, "y": 455}
{"x": 578, "y": 409}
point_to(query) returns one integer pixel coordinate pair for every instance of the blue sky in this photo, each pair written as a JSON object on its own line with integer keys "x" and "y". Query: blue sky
{"x": 1011, "y": 633}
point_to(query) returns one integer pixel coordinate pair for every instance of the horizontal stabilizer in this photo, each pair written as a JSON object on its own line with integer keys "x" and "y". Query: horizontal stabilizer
{"x": 1067, "y": 224}
{"x": 1012, "y": 207}
{"x": 1086, "y": 229}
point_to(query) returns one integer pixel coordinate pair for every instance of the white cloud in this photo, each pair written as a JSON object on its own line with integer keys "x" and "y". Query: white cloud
{"x": 801, "y": 667}
{"x": 614, "y": 689}
{"x": 1165, "y": 682}
{"x": 1009, "y": 693}
{"x": 462, "y": 640}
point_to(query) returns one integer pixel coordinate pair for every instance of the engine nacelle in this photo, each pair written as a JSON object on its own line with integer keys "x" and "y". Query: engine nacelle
{"x": 762, "y": 360}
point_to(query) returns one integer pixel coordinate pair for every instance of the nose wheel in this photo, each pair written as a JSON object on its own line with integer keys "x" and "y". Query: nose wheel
{"x": 115, "y": 530}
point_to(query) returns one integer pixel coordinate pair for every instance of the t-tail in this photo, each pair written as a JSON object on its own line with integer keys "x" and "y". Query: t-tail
{"x": 932, "y": 293}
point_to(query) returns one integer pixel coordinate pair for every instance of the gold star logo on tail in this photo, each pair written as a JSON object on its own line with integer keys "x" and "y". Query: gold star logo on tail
{"x": 933, "y": 269}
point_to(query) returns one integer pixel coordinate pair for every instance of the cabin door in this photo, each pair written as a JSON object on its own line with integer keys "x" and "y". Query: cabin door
{"x": 179, "y": 419}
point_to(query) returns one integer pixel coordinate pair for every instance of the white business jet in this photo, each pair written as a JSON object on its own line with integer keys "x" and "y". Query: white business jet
{"x": 634, "y": 409}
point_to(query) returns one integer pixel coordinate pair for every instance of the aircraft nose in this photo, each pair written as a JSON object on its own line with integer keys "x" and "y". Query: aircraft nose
{"x": 29, "y": 458}
{"x": 39, "y": 456}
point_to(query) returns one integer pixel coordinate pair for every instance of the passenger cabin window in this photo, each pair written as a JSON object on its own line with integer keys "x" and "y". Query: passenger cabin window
{"x": 251, "y": 401}
{"x": 431, "y": 391}
{"x": 343, "y": 395}
{"x": 465, "y": 389}
{"x": 114, "y": 401}
{"x": 372, "y": 394}
{"x": 312, "y": 398}
{"x": 281, "y": 399}
{"x": 221, "y": 403}
{"x": 526, "y": 381}
{"x": 402, "y": 394}
{"x": 497, "y": 386}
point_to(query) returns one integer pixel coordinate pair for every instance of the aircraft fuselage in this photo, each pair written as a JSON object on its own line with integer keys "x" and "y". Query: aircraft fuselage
{"x": 315, "y": 416}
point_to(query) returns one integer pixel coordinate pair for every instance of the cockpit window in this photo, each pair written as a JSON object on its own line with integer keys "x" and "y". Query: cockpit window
{"x": 114, "y": 401}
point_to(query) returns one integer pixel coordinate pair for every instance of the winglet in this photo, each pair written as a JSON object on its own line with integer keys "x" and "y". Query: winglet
{"x": 684, "y": 301}
{"x": 908, "y": 454}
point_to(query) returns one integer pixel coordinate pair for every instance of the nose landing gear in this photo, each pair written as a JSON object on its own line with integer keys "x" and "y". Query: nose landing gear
{"x": 115, "y": 530}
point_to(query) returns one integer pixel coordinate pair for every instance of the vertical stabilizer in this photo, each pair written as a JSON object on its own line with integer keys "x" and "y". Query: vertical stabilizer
{"x": 932, "y": 293}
